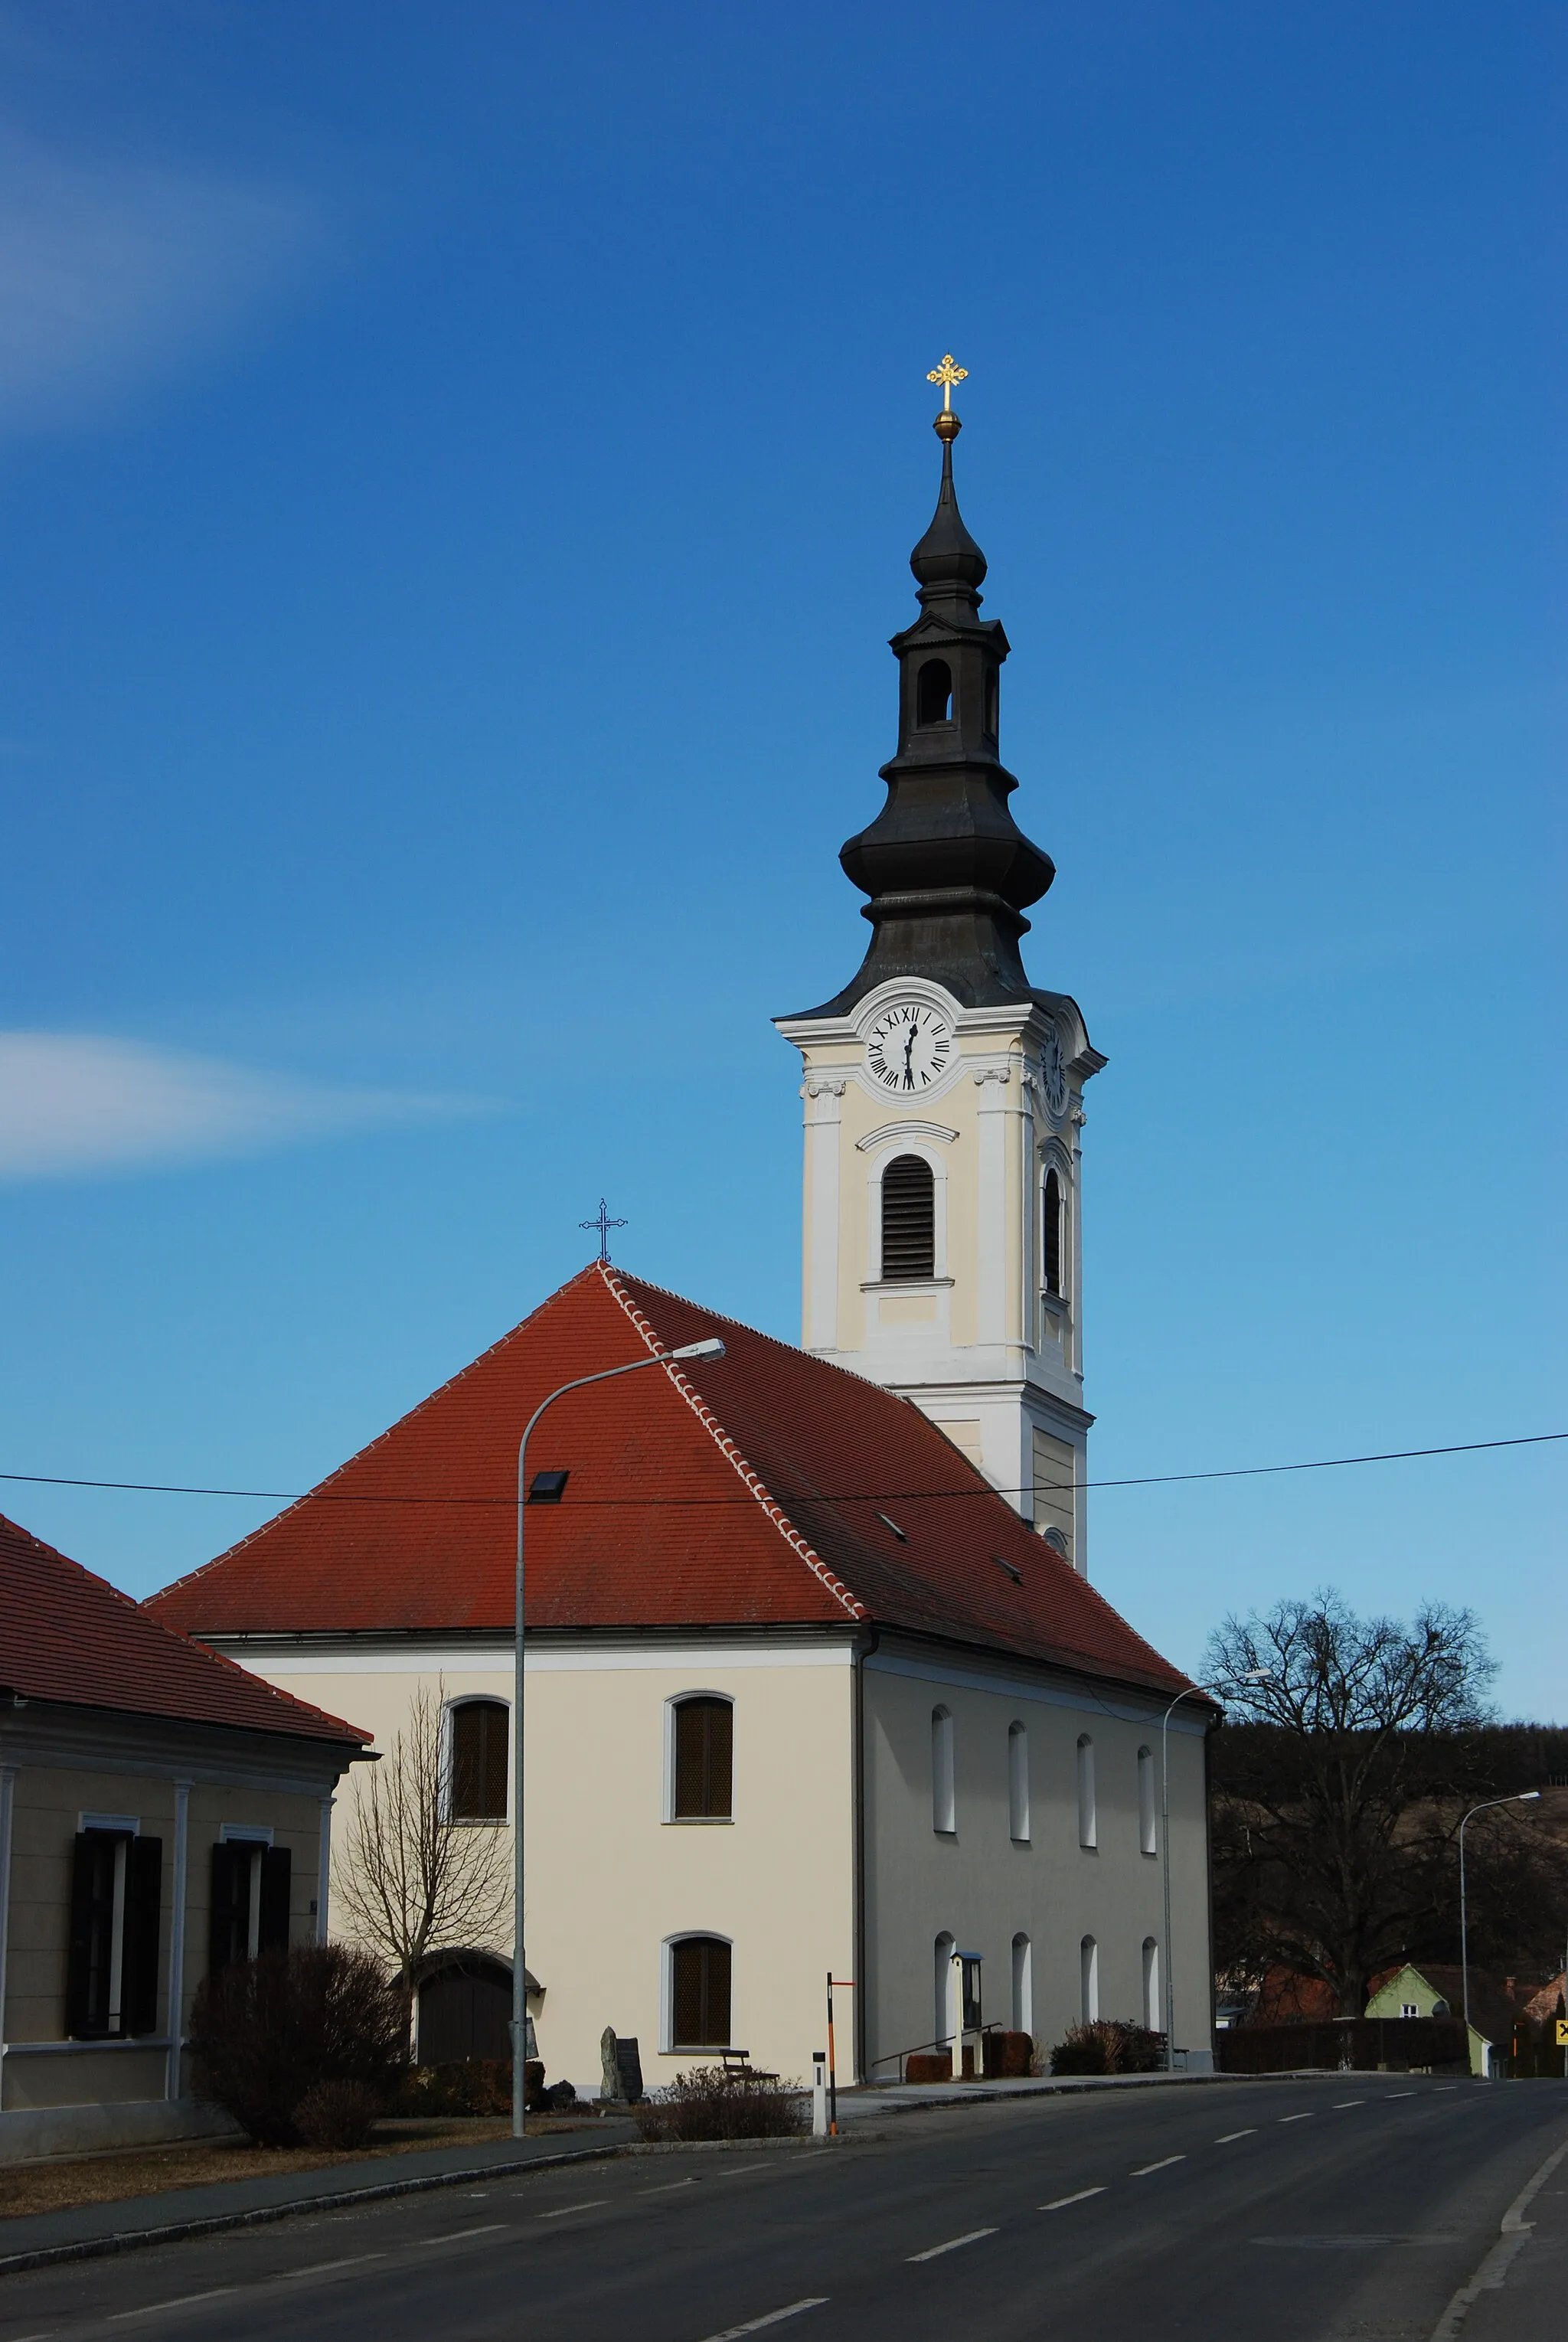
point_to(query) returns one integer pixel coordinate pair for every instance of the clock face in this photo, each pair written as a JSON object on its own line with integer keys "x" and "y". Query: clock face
{"x": 1052, "y": 1072}
{"x": 908, "y": 1048}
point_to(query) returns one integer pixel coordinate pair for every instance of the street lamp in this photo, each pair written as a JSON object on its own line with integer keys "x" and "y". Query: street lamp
{"x": 1523, "y": 1798}
{"x": 710, "y": 1348}
{"x": 1252, "y": 1676}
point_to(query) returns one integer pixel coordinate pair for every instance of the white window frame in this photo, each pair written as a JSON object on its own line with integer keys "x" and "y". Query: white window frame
{"x": 671, "y": 1819}
{"x": 888, "y": 1153}
{"x": 1089, "y": 1980}
{"x": 943, "y": 1774}
{"x": 1018, "y": 1817}
{"x": 1022, "y": 1984}
{"x": 449, "y": 1708}
{"x": 667, "y": 1988}
{"x": 1148, "y": 1809}
{"x": 1088, "y": 1815}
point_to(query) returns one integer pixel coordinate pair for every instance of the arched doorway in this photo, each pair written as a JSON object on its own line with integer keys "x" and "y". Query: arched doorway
{"x": 465, "y": 2011}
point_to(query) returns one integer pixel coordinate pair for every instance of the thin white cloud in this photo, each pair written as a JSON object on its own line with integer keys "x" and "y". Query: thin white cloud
{"x": 115, "y": 273}
{"x": 73, "y": 1104}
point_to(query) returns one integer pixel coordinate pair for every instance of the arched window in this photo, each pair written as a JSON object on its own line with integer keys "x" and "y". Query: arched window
{"x": 1088, "y": 1832}
{"x": 943, "y": 1805}
{"x": 946, "y": 1983}
{"x": 933, "y": 692}
{"x": 1022, "y": 1986}
{"x": 1089, "y": 1980}
{"x": 1148, "y": 1837}
{"x": 1050, "y": 1233}
{"x": 699, "y": 1993}
{"x": 476, "y": 1778}
{"x": 702, "y": 1773}
{"x": 1152, "y": 2017}
{"x": 1018, "y": 1784}
{"x": 908, "y": 1219}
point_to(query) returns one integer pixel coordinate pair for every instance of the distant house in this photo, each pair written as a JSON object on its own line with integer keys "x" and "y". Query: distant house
{"x": 1434, "y": 1989}
{"x": 161, "y": 1812}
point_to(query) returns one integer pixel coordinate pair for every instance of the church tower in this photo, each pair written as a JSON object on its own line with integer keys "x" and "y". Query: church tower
{"x": 944, "y": 1093}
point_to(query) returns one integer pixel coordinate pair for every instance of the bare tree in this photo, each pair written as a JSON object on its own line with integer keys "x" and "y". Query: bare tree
{"x": 1329, "y": 1824}
{"x": 412, "y": 1883}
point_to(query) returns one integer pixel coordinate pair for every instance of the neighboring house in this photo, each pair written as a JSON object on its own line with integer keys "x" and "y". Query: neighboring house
{"x": 781, "y": 1719}
{"x": 161, "y": 1812}
{"x": 1434, "y": 1989}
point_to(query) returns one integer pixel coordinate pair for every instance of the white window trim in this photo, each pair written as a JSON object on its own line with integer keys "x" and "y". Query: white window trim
{"x": 671, "y": 1819}
{"x": 891, "y": 1154}
{"x": 668, "y": 1988}
{"x": 121, "y": 1825}
{"x": 1088, "y": 1803}
{"x": 944, "y": 1772}
{"x": 245, "y": 1834}
{"x": 1018, "y": 1787}
{"x": 448, "y": 1709}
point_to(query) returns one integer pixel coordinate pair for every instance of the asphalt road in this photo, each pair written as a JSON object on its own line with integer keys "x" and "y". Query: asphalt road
{"x": 1313, "y": 2211}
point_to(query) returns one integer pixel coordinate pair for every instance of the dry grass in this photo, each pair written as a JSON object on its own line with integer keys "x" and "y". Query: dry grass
{"x": 148, "y": 2170}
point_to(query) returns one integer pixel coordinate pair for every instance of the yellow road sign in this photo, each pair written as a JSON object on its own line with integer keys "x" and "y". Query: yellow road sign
{"x": 1562, "y": 2033}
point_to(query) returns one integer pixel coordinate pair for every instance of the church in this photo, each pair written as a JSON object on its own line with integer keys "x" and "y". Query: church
{"x": 817, "y": 1680}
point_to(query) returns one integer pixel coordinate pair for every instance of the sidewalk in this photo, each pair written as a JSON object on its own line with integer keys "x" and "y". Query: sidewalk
{"x": 907, "y": 2097}
{"x": 87, "y": 2231}
{"x": 1518, "y": 2294}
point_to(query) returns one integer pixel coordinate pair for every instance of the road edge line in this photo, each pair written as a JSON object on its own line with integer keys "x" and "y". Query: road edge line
{"x": 1494, "y": 2271}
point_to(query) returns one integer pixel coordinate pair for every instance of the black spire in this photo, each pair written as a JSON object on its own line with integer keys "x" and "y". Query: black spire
{"x": 946, "y": 866}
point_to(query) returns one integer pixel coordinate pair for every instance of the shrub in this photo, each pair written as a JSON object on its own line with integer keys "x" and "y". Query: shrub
{"x": 337, "y": 2114}
{"x": 709, "y": 2103}
{"x": 474, "y": 2086}
{"x": 928, "y": 2066}
{"x": 1107, "y": 2046}
{"x": 265, "y": 2032}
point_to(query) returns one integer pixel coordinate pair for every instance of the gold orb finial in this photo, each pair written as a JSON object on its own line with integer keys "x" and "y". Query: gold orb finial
{"x": 947, "y": 427}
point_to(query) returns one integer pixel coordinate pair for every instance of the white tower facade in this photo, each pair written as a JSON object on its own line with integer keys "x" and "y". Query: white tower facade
{"x": 944, "y": 1095}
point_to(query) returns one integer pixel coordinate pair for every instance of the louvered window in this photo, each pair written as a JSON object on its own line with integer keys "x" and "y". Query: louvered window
{"x": 908, "y": 1219}
{"x": 1050, "y": 1233}
{"x": 480, "y": 1739}
{"x": 705, "y": 1760}
{"x": 700, "y": 1993}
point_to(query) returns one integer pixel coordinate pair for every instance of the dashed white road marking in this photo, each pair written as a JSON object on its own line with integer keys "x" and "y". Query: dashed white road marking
{"x": 935, "y": 2252}
{"x": 1062, "y": 2202}
{"x": 1307, "y": 2117}
{"x": 1164, "y": 2165}
{"x": 1225, "y": 2139}
{"x": 668, "y": 2189}
{"x": 1348, "y": 2102}
{"x": 178, "y": 2301}
{"x": 1402, "y": 2093}
{"x": 592, "y": 2205}
{"x": 756, "y": 2325}
{"x": 453, "y": 2236}
{"x": 320, "y": 2268}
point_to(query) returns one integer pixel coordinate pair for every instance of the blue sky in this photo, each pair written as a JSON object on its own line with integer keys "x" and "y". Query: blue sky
{"x": 459, "y": 466}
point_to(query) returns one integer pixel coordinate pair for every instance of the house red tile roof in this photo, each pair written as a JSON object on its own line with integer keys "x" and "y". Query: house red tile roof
{"x": 68, "y": 1637}
{"x": 740, "y": 1492}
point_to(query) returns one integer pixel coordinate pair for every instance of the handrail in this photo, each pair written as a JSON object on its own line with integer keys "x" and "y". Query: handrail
{"x": 942, "y": 2041}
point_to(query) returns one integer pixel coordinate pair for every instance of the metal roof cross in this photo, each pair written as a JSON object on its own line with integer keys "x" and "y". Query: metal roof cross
{"x": 603, "y": 1223}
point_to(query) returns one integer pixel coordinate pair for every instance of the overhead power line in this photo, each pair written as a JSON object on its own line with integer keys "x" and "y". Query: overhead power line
{"x": 798, "y": 1495}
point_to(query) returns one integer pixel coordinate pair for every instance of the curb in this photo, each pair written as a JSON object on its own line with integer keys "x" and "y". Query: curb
{"x": 172, "y": 2232}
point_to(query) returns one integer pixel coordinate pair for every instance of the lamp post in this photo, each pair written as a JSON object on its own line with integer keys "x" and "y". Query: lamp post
{"x": 710, "y": 1348}
{"x": 1523, "y": 1798}
{"x": 1252, "y": 1676}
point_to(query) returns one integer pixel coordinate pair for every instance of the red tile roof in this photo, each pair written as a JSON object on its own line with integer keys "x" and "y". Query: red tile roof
{"x": 68, "y": 1637}
{"x": 740, "y": 1492}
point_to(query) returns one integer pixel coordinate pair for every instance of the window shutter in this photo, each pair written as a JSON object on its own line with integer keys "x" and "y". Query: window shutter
{"x": 908, "y": 1219}
{"x": 705, "y": 1749}
{"x": 144, "y": 1902}
{"x": 700, "y": 1996}
{"x": 79, "y": 1951}
{"x": 720, "y": 1763}
{"x": 276, "y": 1865}
{"x": 479, "y": 1753}
{"x": 496, "y": 1720}
{"x": 686, "y": 1961}
{"x": 228, "y": 1930}
{"x": 717, "y": 2031}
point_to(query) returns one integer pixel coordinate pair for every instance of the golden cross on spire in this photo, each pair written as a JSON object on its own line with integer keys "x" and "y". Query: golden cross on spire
{"x": 947, "y": 373}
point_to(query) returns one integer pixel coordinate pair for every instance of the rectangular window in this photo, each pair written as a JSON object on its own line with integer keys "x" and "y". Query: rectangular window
{"x": 481, "y": 1736}
{"x": 700, "y": 1993}
{"x": 248, "y": 1910}
{"x": 112, "y": 1957}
